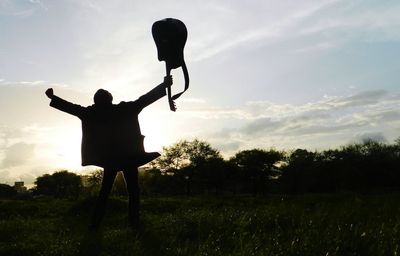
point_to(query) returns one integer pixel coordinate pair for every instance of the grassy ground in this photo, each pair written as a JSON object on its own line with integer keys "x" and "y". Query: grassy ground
{"x": 344, "y": 224}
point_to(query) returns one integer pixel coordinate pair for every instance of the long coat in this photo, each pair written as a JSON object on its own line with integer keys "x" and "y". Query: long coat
{"x": 111, "y": 135}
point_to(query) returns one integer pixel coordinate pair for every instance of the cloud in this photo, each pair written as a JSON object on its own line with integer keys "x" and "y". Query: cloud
{"x": 360, "y": 99}
{"x": 262, "y": 125}
{"x": 17, "y": 154}
{"x": 5, "y": 177}
{"x": 329, "y": 122}
{"x": 21, "y": 9}
{"x": 7, "y": 133}
{"x": 5, "y": 83}
{"x": 13, "y": 174}
{"x": 272, "y": 25}
{"x": 266, "y": 111}
{"x": 339, "y": 118}
{"x": 380, "y": 116}
{"x": 357, "y": 19}
{"x": 40, "y": 3}
{"x": 227, "y": 146}
{"x": 311, "y": 26}
{"x": 39, "y": 82}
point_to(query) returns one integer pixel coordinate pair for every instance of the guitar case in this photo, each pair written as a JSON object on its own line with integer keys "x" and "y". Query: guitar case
{"x": 170, "y": 36}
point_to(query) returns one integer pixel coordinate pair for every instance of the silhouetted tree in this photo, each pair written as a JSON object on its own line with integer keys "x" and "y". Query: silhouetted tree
{"x": 212, "y": 174}
{"x": 60, "y": 184}
{"x": 194, "y": 166}
{"x": 44, "y": 185}
{"x": 194, "y": 163}
{"x": 296, "y": 175}
{"x": 361, "y": 167}
{"x": 173, "y": 158}
{"x": 94, "y": 180}
{"x": 257, "y": 166}
{"x": 371, "y": 165}
{"x": 150, "y": 181}
{"x": 183, "y": 154}
{"x": 7, "y": 191}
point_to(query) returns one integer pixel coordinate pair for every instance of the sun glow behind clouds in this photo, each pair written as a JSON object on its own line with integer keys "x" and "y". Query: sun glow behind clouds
{"x": 67, "y": 145}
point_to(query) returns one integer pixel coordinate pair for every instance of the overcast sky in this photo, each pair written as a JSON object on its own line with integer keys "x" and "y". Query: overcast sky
{"x": 283, "y": 74}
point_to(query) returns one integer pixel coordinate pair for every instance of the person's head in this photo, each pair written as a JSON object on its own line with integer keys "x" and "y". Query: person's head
{"x": 102, "y": 97}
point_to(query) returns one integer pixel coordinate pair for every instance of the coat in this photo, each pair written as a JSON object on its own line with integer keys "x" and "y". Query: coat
{"x": 111, "y": 135}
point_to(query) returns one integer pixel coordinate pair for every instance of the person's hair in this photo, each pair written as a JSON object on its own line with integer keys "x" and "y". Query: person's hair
{"x": 102, "y": 97}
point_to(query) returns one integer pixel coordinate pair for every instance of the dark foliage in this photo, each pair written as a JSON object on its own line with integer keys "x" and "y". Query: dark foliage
{"x": 7, "y": 191}
{"x": 193, "y": 167}
{"x": 60, "y": 184}
{"x": 361, "y": 167}
{"x": 254, "y": 168}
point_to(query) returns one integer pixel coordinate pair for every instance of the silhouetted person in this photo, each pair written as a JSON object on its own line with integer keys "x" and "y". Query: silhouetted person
{"x": 111, "y": 139}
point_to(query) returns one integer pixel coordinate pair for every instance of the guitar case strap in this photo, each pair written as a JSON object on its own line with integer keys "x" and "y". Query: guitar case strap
{"x": 186, "y": 77}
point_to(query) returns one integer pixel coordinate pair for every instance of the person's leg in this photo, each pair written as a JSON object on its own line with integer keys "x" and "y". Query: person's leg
{"x": 132, "y": 185}
{"x": 106, "y": 186}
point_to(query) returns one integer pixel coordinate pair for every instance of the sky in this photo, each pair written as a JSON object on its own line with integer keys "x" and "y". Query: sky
{"x": 264, "y": 74}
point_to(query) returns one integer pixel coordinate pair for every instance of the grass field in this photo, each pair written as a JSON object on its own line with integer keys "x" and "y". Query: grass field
{"x": 340, "y": 224}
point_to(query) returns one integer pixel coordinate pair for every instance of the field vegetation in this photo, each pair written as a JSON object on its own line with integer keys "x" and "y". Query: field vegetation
{"x": 317, "y": 224}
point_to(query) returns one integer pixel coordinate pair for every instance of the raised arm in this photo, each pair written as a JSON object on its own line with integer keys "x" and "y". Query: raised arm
{"x": 63, "y": 105}
{"x": 155, "y": 94}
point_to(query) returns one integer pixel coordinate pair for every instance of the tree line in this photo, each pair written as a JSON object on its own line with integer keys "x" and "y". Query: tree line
{"x": 195, "y": 167}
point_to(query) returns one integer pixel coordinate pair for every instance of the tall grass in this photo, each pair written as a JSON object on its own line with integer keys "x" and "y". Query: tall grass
{"x": 341, "y": 224}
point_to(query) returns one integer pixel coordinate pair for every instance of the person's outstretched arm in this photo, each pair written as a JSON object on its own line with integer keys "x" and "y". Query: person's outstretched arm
{"x": 155, "y": 94}
{"x": 63, "y": 105}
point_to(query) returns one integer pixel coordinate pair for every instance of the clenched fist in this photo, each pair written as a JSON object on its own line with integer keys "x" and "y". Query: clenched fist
{"x": 167, "y": 81}
{"x": 50, "y": 93}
